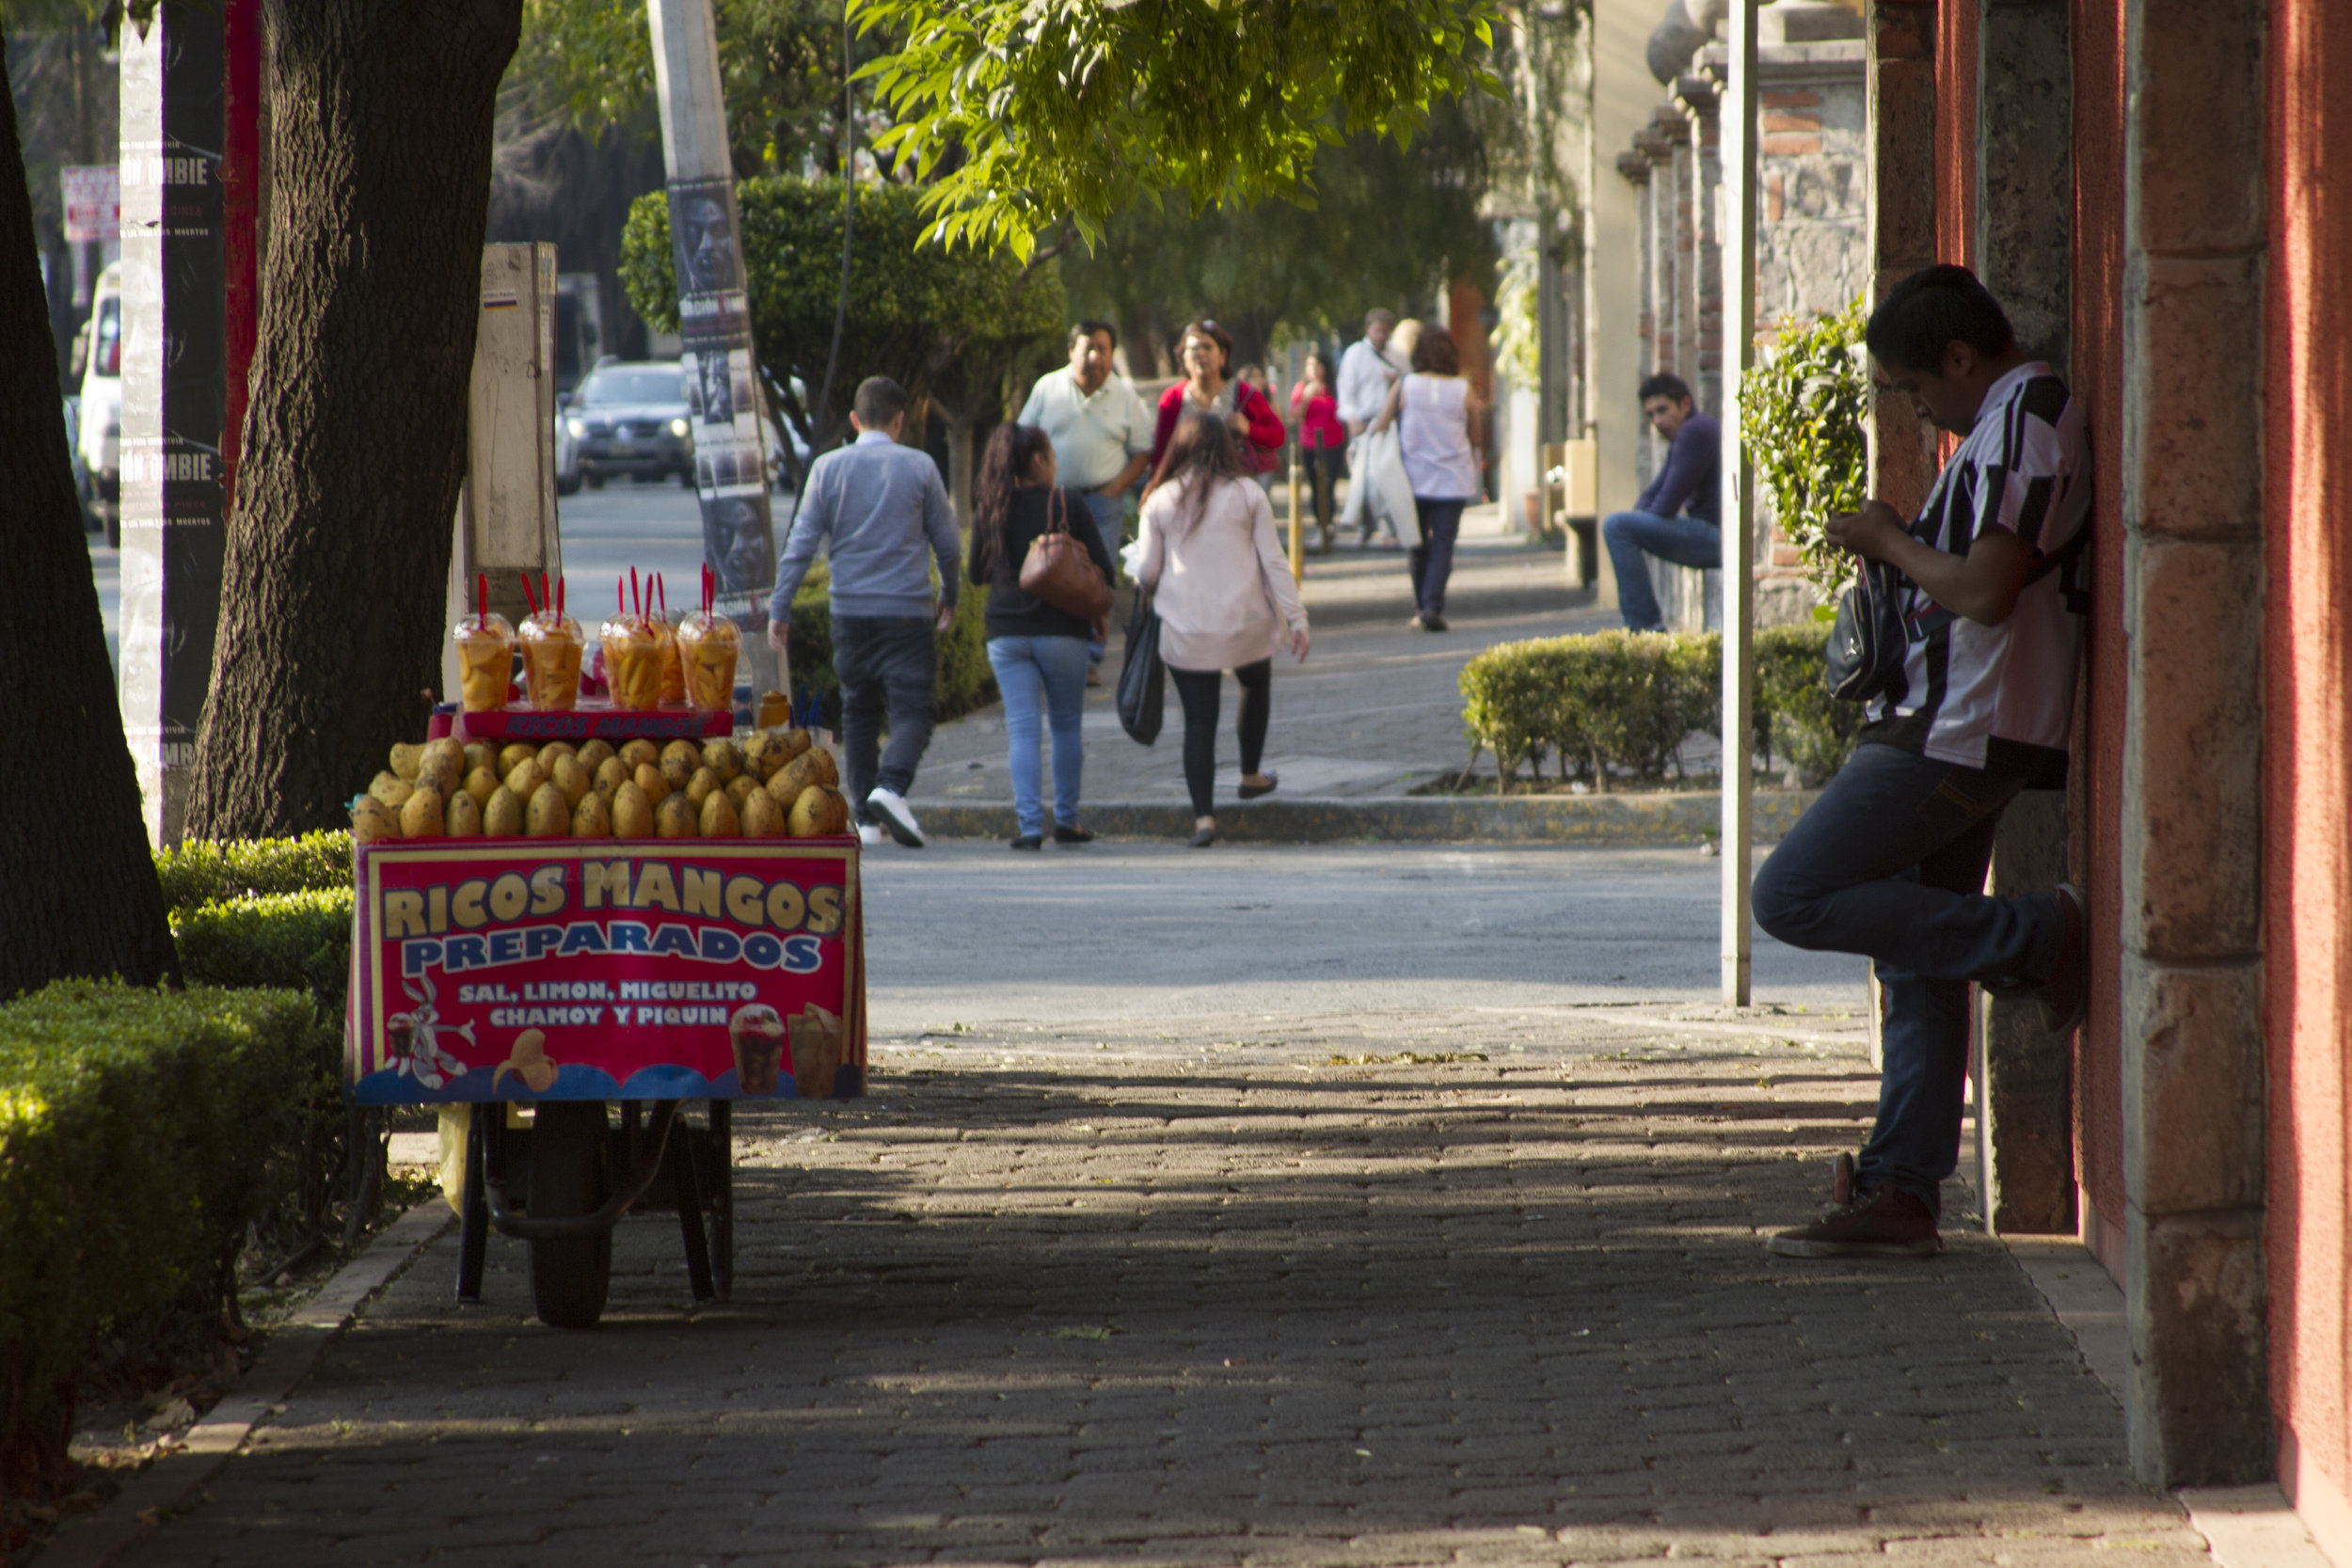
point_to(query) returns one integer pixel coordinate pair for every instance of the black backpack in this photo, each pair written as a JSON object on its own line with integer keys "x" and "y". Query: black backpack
{"x": 1870, "y": 640}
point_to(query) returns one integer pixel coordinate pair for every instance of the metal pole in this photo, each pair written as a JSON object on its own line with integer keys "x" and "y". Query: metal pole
{"x": 1738, "y": 530}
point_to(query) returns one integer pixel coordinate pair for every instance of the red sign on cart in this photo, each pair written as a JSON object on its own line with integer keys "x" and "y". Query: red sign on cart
{"x": 671, "y": 969}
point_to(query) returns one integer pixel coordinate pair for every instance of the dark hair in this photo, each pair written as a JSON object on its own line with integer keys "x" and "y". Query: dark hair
{"x": 1012, "y": 450}
{"x": 1215, "y": 334}
{"x": 1202, "y": 452}
{"x": 1435, "y": 353}
{"x": 1664, "y": 386}
{"x": 879, "y": 400}
{"x": 1930, "y": 311}
{"x": 1088, "y": 328}
{"x": 1317, "y": 359}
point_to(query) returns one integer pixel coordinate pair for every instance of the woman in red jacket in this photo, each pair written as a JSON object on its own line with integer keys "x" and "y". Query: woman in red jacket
{"x": 1322, "y": 439}
{"x": 1206, "y": 351}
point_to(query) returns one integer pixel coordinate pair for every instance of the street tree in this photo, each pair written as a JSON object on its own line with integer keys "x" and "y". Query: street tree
{"x": 1387, "y": 227}
{"x": 1015, "y": 113}
{"x": 949, "y": 328}
{"x": 78, "y": 893}
{"x": 355, "y": 438}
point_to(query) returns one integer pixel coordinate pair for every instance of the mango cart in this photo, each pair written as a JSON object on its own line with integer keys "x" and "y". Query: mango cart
{"x": 535, "y": 980}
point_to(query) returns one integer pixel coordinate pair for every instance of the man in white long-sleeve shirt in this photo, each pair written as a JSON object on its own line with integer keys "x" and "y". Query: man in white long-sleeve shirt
{"x": 1367, "y": 371}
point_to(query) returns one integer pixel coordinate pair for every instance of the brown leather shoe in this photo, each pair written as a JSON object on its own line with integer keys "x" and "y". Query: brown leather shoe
{"x": 1889, "y": 1223}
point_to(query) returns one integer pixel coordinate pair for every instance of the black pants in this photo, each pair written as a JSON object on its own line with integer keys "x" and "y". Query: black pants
{"x": 1321, "y": 469}
{"x": 888, "y": 667}
{"x": 1431, "y": 562}
{"x": 1200, "y": 691}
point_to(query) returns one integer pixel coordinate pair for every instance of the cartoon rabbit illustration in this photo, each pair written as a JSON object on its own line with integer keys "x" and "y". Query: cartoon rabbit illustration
{"x": 415, "y": 1038}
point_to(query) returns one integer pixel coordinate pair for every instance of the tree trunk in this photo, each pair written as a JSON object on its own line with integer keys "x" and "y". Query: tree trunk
{"x": 354, "y": 445}
{"x": 77, "y": 887}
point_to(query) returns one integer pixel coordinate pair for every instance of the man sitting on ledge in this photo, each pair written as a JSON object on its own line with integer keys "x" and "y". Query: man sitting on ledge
{"x": 1679, "y": 517}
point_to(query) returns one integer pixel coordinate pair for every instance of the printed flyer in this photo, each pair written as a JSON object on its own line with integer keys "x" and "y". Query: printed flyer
{"x": 536, "y": 969}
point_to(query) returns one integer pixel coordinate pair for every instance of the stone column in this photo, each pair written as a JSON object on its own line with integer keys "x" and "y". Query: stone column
{"x": 1901, "y": 86}
{"x": 2024, "y": 254}
{"x": 1675, "y": 128}
{"x": 2198, "y": 1411}
{"x": 1634, "y": 168}
{"x": 1704, "y": 294}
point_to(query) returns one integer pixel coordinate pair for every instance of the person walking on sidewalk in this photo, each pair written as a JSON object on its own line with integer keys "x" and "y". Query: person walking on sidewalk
{"x": 1371, "y": 365}
{"x": 1102, "y": 437}
{"x": 1322, "y": 439}
{"x": 1678, "y": 517}
{"x": 1206, "y": 352}
{"x": 881, "y": 505}
{"x": 1225, "y": 600}
{"x": 1437, "y": 415}
{"x": 1890, "y": 861}
{"x": 1038, "y": 651}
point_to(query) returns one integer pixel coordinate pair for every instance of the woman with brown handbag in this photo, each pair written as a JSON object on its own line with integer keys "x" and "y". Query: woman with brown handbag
{"x": 1225, "y": 600}
{"x": 1037, "y": 646}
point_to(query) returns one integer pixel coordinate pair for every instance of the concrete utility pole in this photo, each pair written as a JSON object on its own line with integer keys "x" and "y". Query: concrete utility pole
{"x": 715, "y": 320}
{"x": 189, "y": 154}
{"x": 1738, "y": 530}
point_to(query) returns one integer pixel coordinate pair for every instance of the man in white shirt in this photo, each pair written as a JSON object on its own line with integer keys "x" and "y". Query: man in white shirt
{"x": 1367, "y": 371}
{"x": 1100, "y": 433}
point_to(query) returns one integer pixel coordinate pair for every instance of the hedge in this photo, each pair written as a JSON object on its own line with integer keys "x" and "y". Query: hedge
{"x": 197, "y": 873}
{"x": 966, "y": 679}
{"x": 139, "y": 1138}
{"x": 1618, "y": 703}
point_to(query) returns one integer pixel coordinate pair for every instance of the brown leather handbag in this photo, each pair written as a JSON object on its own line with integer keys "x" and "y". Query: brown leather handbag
{"x": 1060, "y": 571}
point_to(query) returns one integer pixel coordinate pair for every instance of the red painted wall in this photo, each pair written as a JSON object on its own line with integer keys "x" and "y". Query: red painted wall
{"x": 2095, "y": 818}
{"x": 2308, "y": 705}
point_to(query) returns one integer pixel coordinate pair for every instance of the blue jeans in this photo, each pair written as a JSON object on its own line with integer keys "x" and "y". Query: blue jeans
{"x": 1110, "y": 520}
{"x": 1686, "y": 541}
{"x": 1043, "y": 677}
{"x": 888, "y": 666}
{"x": 1890, "y": 863}
{"x": 1431, "y": 562}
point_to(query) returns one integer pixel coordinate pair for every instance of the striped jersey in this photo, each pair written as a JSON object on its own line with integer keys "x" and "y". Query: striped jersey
{"x": 2002, "y": 697}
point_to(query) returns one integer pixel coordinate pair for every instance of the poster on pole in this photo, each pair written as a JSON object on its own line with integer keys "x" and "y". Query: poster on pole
{"x": 730, "y": 447}
{"x": 93, "y": 203}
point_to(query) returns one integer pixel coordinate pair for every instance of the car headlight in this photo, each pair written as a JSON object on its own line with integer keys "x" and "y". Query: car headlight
{"x": 677, "y": 427}
{"x": 578, "y": 428}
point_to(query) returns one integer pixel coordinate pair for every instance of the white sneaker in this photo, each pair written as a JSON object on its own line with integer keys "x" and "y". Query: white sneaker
{"x": 869, "y": 833}
{"x": 896, "y": 815}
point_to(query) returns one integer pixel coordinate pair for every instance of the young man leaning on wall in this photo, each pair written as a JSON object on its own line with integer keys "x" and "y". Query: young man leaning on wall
{"x": 1890, "y": 862}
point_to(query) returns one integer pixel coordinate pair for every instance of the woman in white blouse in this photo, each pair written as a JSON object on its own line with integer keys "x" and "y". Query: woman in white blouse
{"x": 1225, "y": 599}
{"x": 1439, "y": 416}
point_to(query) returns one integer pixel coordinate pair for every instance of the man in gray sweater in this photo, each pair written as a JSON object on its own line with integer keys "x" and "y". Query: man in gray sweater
{"x": 881, "y": 504}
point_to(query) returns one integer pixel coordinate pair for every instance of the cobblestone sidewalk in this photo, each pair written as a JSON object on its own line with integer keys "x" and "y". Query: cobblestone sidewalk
{"x": 1225, "y": 1302}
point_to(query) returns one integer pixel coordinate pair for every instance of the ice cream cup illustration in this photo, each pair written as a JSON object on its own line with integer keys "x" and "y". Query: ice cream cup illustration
{"x": 758, "y": 1034}
{"x": 816, "y": 1051}
{"x": 486, "y": 661}
{"x": 528, "y": 1060}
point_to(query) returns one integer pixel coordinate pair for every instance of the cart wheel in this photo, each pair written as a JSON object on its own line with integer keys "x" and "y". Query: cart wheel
{"x": 568, "y": 1278}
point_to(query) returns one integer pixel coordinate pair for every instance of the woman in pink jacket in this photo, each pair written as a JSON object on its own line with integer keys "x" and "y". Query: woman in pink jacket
{"x": 1225, "y": 599}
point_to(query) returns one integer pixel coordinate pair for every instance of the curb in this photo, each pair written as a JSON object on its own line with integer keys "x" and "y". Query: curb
{"x": 165, "y": 1485}
{"x": 1617, "y": 820}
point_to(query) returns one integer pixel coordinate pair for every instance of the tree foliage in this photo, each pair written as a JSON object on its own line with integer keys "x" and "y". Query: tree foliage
{"x": 780, "y": 60}
{"x": 1389, "y": 227}
{"x": 1802, "y": 409}
{"x": 1016, "y": 113}
{"x": 916, "y": 313}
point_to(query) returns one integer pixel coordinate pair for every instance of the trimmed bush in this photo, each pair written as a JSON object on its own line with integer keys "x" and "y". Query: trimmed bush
{"x": 297, "y": 941}
{"x": 1622, "y": 702}
{"x": 136, "y": 1132}
{"x": 966, "y": 679}
{"x": 199, "y": 873}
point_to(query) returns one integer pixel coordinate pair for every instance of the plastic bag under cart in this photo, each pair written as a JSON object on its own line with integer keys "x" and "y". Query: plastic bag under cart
{"x": 562, "y": 975}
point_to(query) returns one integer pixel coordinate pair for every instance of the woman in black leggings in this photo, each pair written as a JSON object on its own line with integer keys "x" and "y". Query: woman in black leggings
{"x": 1225, "y": 600}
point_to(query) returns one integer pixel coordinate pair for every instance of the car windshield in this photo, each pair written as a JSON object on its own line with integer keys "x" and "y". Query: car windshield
{"x": 633, "y": 383}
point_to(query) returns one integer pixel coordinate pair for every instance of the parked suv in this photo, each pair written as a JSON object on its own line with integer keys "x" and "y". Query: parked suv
{"x": 627, "y": 418}
{"x": 99, "y": 438}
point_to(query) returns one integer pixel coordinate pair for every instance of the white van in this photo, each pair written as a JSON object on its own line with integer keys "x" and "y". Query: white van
{"x": 101, "y": 435}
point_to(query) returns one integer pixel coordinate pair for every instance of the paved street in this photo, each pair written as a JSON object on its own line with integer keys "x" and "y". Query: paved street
{"x": 1346, "y": 1205}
